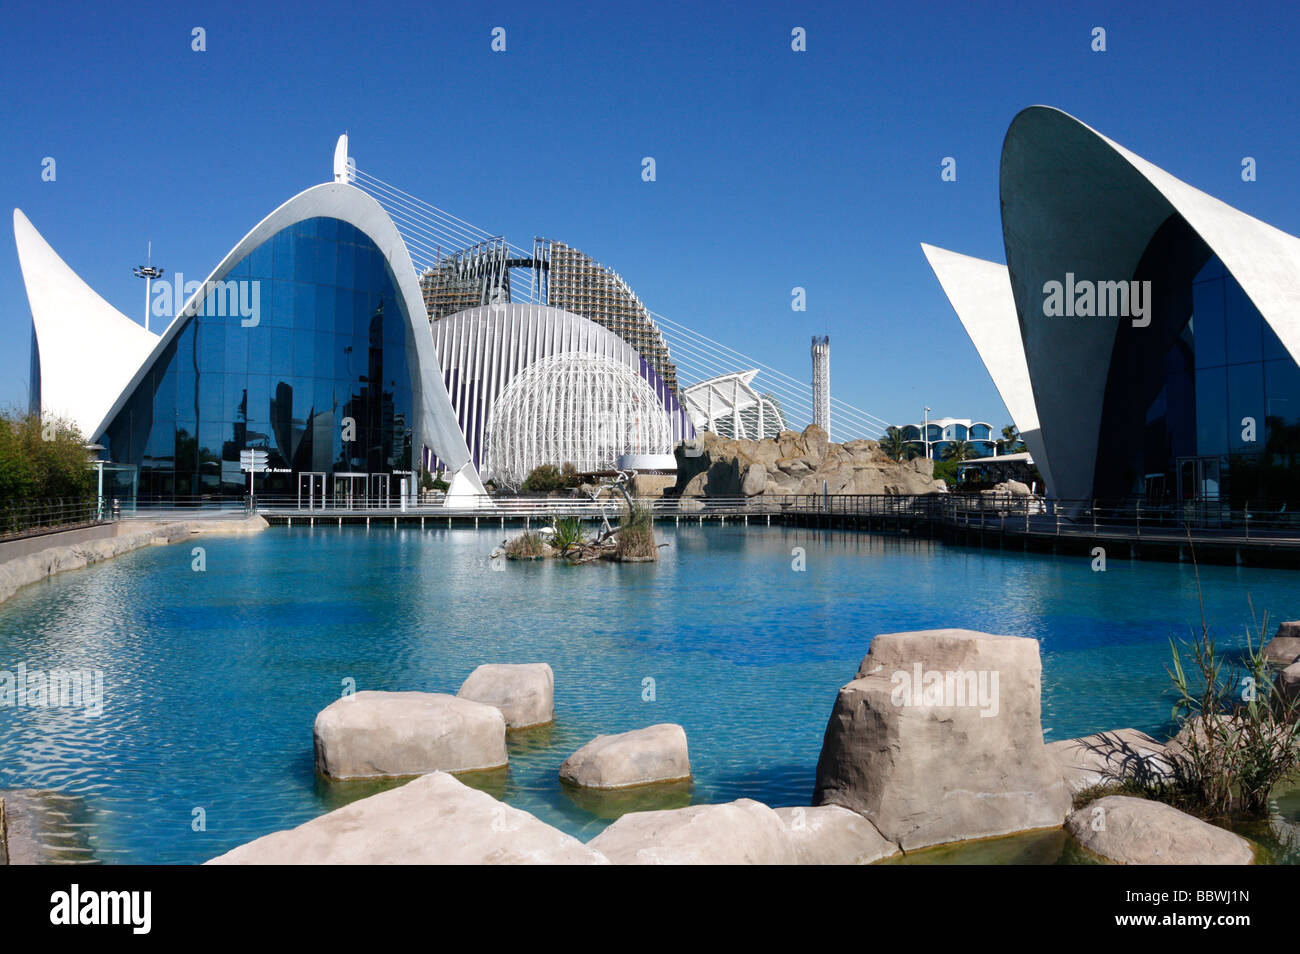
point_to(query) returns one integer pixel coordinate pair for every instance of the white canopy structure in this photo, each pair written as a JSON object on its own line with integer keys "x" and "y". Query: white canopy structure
{"x": 728, "y": 404}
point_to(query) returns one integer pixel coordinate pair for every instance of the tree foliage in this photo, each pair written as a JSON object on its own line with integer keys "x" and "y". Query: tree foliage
{"x": 42, "y": 459}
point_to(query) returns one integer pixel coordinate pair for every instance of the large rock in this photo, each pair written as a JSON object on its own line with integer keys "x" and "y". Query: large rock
{"x": 743, "y": 832}
{"x": 1288, "y": 684}
{"x": 375, "y": 734}
{"x": 1284, "y": 648}
{"x": 1109, "y": 757}
{"x": 640, "y": 757}
{"x": 1137, "y": 831}
{"x": 939, "y": 739}
{"x": 431, "y": 820}
{"x": 525, "y": 693}
{"x": 755, "y": 480}
{"x": 831, "y": 835}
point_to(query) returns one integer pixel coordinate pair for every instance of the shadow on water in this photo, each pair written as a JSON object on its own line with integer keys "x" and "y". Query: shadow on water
{"x": 336, "y": 793}
{"x": 611, "y": 804}
{"x": 1049, "y": 847}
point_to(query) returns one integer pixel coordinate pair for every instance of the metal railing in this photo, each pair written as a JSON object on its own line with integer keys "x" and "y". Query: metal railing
{"x": 27, "y": 517}
{"x": 986, "y": 511}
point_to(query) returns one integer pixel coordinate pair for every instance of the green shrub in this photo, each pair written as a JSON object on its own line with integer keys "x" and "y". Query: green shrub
{"x": 636, "y": 533}
{"x": 569, "y": 534}
{"x": 40, "y": 460}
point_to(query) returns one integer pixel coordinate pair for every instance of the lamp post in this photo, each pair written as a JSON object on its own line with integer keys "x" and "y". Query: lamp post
{"x": 96, "y": 450}
{"x": 925, "y": 433}
{"x": 148, "y": 272}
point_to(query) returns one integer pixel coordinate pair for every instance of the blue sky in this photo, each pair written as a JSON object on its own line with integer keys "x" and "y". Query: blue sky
{"x": 774, "y": 169}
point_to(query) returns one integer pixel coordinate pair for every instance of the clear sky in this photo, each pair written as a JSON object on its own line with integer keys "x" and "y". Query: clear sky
{"x": 774, "y": 168}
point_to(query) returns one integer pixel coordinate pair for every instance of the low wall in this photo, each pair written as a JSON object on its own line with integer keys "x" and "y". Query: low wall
{"x": 25, "y": 546}
{"x": 58, "y": 554}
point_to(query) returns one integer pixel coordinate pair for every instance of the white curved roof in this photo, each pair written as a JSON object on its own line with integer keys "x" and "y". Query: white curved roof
{"x": 1076, "y": 201}
{"x": 88, "y": 349}
{"x": 435, "y": 422}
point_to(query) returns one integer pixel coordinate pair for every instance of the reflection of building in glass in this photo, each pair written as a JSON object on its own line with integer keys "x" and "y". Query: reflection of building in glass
{"x": 1189, "y": 392}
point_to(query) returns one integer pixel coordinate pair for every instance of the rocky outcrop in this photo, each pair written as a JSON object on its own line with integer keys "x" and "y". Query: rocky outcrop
{"x": 1288, "y": 684}
{"x": 1284, "y": 648}
{"x": 1109, "y": 757}
{"x": 794, "y": 463}
{"x": 525, "y": 693}
{"x": 939, "y": 739}
{"x": 640, "y": 757}
{"x": 743, "y": 832}
{"x": 130, "y": 535}
{"x": 385, "y": 734}
{"x": 1136, "y": 831}
{"x": 431, "y": 820}
{"x": 831, "y": 835}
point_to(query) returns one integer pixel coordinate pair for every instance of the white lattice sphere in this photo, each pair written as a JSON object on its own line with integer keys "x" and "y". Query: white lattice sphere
{"x": 577, "y": 408}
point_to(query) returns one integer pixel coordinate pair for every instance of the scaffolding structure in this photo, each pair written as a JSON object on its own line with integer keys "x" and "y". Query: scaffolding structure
{"x": 467, "y": 278}
{"x": 578, "y": 283}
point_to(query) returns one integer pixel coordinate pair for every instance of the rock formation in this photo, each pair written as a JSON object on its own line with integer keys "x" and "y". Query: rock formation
{"x": 939, "y": 739}
{"x": 1137, "y": 831}
{"x": 384, "y": 734}
{"x": 743, "y": 832}
{"x": 434, "y": 819}
{"x": 657, "y": 753}
{"x": 794, "y": 463}
{"x": 525, "y": 693}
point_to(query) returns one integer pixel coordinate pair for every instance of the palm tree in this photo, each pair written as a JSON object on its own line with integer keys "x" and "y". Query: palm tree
{"x": 959, "y": 451}
{"x": 1011, "y": 442}
{"x": 894, "y": 445}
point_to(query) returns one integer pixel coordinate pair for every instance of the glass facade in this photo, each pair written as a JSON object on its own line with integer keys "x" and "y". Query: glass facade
{"x": 320, "y": 381}
{"x": 1207, "y": 406}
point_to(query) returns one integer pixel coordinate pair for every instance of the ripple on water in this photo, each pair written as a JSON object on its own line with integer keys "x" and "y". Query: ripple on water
{"x": 212, "y": 680}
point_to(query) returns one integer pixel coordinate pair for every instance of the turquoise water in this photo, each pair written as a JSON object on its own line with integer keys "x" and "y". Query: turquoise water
{"x": 212, "y": 679}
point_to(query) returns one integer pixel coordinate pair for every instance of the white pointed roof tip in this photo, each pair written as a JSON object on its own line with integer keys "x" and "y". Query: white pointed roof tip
{"x": 341, "y": 160}
{"x": 980, "y": 294}
{"x": 88, "y": 349}
{"x": 1263, "y": 259}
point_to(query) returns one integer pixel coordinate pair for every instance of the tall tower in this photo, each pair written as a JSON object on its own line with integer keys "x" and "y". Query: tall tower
{"x": 821, "y": 382}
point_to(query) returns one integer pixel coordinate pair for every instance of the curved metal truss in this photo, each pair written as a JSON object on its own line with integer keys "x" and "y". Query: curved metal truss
{"x": 729, "y": 406}
{"x": 584, "y": 409}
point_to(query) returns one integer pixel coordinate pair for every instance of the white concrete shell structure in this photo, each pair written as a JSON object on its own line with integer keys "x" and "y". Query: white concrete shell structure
{"x": 730, "y": 401}
{"x": 1075, "y": 202}
{"x": 577, "y": 408}
{"x": 84, "y": 350}
{"x": 484, "y": 350}
{"x": 97, "y": 402}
